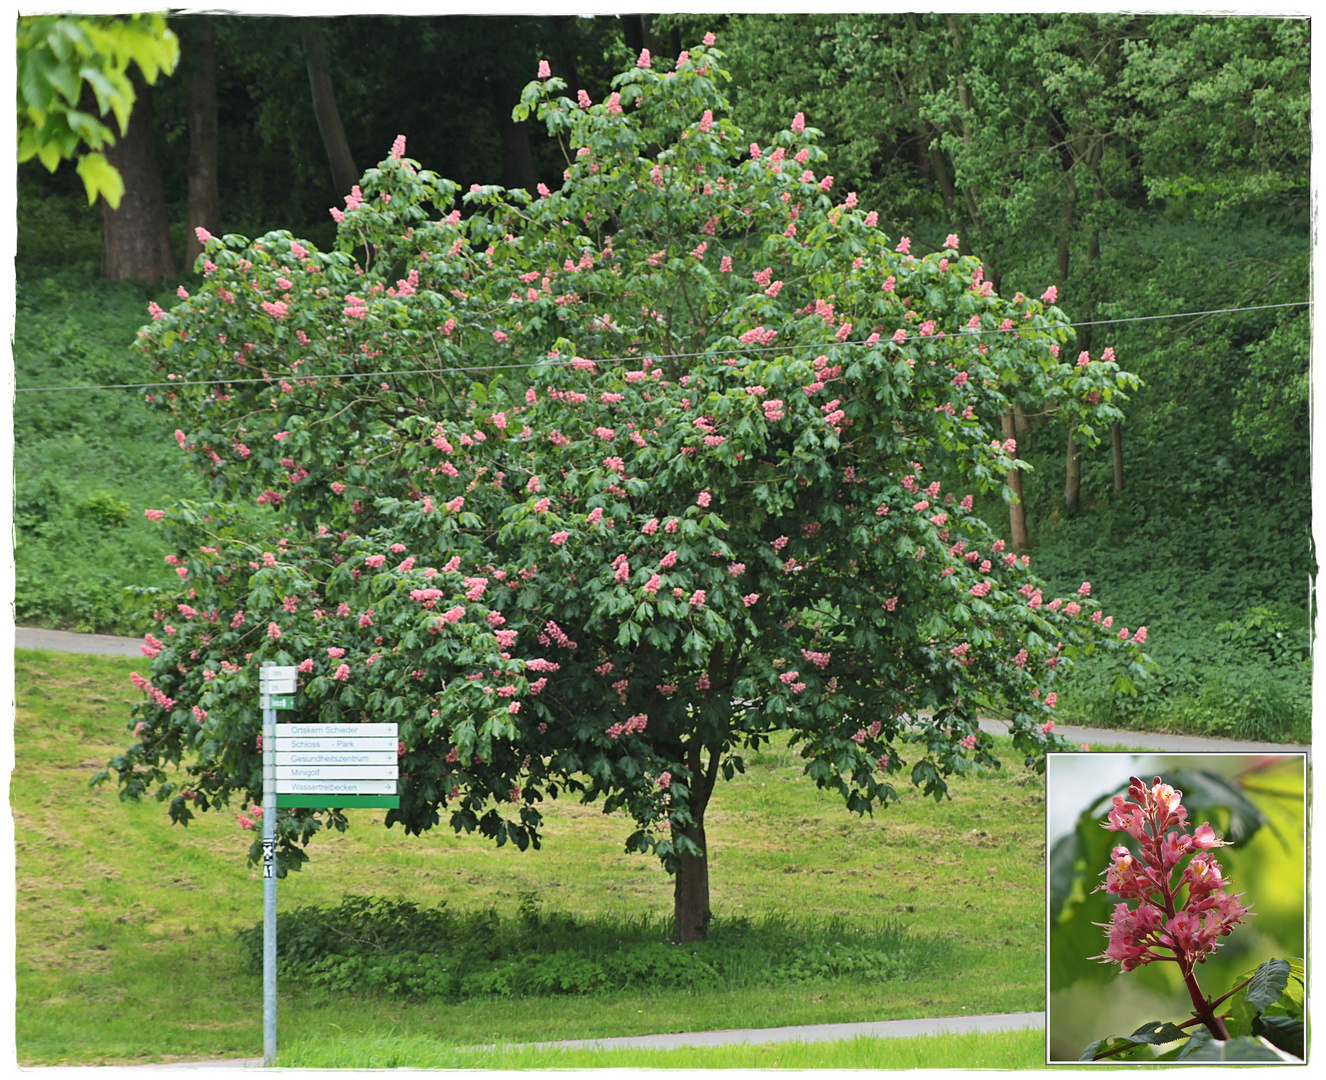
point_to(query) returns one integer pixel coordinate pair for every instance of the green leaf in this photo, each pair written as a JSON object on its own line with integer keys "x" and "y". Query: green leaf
{"x": 1063, "y": 861}
{"x": 100, "y": 177}
{"x": 1157, "y": 1032}
{"x": 1200, "y": 1038}
{"x": 1269, "y": 982}
{"x": 1244, "y": 1048}
{"x": 1283, "y": 1031}
{"x": 1115, "y": 1048}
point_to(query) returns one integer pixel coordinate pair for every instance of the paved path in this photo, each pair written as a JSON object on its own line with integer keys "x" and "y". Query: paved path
{"x": 1144, "y": 740}
{"x": 106, "y": 644}
{"x": 877, "y": 1029}
{"x": 27, "y": 637}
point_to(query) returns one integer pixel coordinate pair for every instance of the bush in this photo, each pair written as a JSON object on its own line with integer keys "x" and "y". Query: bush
{"x": 375, "y": 945}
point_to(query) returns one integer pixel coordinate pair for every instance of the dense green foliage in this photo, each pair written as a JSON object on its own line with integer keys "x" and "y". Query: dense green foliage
{"x": 374, "y": 945}
{"x": 64, "y": 65}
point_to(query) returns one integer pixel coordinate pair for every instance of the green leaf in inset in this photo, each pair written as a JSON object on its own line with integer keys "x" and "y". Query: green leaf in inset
{"x": 1115, "y": 1048}
{"x": 1157, "y": 1031}
{"x": 1270, "y": 981}
{"x": 1244, "y": 1048}
{"x": 1200, "y": 1039}
{"x": 1063, "y": 861}
{"x": 1284, "y": 1032}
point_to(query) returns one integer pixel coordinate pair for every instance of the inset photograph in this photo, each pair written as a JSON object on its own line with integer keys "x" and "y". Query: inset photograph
{"x": 1175, "y": 918}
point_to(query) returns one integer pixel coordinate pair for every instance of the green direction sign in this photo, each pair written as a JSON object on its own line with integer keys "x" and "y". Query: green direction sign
{"x": 278, "y": 701}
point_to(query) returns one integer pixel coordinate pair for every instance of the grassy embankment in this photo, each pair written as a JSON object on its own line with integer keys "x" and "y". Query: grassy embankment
{"x": 126, "y": 925}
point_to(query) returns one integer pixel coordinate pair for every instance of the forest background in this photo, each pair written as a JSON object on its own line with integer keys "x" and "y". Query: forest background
{"x": 1144, "y": 165}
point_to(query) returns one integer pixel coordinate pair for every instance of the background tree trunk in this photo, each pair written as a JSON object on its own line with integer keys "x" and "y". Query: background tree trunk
{"x": 1072, "y": 476}
{"x": 638, "y": 32}
{"x": 344, "y": 172}
{"x": 560, "y": 31}
{"x": 1116, "y": 446}
{"x": 1017, "y": 511}
{"x": 135, "y": 239}
{"x": 517, "y": 161}
{"x": 204, "y": 205}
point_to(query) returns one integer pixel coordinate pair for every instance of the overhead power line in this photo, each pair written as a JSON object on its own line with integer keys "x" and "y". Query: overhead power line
{"x": 960, "y": 336}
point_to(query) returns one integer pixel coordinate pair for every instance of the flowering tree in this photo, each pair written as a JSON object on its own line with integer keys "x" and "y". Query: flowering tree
{"x": 591, "y": 490}
{"x": 1182, "y": 913}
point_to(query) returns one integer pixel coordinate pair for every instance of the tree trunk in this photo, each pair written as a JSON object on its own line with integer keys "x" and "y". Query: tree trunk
{"x": 690, "y": 889}
{"x": 560, "y": 34}
{"x": 204, "y": 206}
{"x": 135, "y": 239}
{"x": 344, "y": 172}
{"x": 638, "y": 33}
{"x": 517, "y": 161}
{"x": 1021, "y": 423}
{"x": 1116, "y": 445}
{"x": 633, "y": 32}
{"x": 1017, "y": 511}
{"x": 1072, "y": 475}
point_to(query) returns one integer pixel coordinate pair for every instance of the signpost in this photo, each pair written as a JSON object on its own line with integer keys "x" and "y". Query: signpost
{"x": 316, "y": 766}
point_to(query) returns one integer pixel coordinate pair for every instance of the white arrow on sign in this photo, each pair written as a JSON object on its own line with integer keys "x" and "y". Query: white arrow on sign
{"x": 337, "y": 772}
{"x": 334, "y": 787}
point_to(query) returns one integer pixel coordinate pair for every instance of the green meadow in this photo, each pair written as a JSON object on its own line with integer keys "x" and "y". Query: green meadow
{"x": 127, "y": 947}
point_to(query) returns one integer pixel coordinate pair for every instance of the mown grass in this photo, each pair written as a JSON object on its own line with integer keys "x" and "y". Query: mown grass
{"x": 998, "y": 1050}
{"x": 125, "y": 925}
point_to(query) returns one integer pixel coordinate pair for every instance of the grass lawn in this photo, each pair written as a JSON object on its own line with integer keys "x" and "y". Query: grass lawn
{"x": 999, "y": 1050}
{"x": 125, "y": 924}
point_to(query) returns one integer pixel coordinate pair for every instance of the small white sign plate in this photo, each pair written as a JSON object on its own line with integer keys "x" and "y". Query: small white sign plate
{"x": 372, "y": 757}
{"x": 336, "y": 772}
{"x": 334, "y": 787}
{"x": 343, "y": 744}
{"x": 314, "y": 731}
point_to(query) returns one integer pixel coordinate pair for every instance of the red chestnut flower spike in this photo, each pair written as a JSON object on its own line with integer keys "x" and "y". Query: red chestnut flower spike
{"x": 1182, "y": 911}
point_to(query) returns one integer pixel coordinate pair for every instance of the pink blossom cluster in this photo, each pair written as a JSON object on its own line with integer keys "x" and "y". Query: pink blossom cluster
{"x": 632, "y": 726}
{"x": 157, "y": 696}
{"x": 1180, "y": 919}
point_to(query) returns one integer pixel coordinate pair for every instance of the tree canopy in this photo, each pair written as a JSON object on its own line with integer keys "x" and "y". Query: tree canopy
{"x": 591, "y": 490}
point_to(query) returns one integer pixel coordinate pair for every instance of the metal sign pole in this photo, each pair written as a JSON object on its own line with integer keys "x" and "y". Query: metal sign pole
{"x": 268, "y": 881}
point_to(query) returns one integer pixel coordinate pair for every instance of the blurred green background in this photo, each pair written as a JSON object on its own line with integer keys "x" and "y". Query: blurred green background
{"x": 1258, "y": 801}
